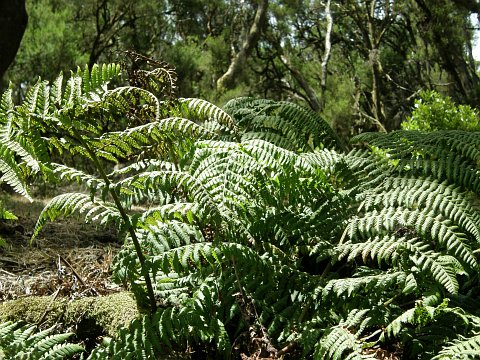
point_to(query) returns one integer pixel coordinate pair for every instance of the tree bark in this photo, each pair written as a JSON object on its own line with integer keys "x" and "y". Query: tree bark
{"x": 227, "y": 80}
{"x": 13, "y": 22}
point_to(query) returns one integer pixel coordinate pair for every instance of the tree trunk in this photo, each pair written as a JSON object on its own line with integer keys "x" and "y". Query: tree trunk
{"x": 326, "y": 54}
{"x": 374, "y": 38}
{"x": 227, "y": 80}
{"x": 13, "y": 22}
{"x": 377, "y": 104}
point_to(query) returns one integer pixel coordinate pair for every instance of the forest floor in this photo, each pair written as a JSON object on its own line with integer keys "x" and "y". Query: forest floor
{"x": 68, "y": 258}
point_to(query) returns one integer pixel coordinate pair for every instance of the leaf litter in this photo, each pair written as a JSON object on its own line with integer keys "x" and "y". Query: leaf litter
{"x": 69, "y": 258}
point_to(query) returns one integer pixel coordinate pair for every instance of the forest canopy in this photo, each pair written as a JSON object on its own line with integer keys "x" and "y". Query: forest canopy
{"x": 361, "y": 64}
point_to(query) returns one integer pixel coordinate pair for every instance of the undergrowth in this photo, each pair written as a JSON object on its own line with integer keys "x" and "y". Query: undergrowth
{"x": 251, "y": 229}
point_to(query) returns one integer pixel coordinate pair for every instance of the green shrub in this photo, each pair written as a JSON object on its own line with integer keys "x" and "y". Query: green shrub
{"x": 435, "y": 112}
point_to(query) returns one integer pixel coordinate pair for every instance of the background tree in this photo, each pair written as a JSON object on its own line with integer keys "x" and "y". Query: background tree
{"x": 254, "y": 33}
{"x": 13, "y": 22}
{"x": 360, "y": 64}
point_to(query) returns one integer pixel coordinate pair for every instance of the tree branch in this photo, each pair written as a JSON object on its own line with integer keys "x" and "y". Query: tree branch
{"x": 312, "y": 98}
{"x": 227, "y": 80}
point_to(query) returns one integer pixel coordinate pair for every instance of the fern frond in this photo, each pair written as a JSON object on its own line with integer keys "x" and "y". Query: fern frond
{"x": 72, "y": 174}
{"x": 70, "y": 203}
{"x": 139, "y": 341}
{"x": 341, "y": 342}
{"x": 149, "y": 337}
{"x": 122, "y": 99}
{"x": 205, "y": 112}
{"x": 17, "y": 158}
{"x": 435, "y": 228}
{"x": 451, "y": 155}
{"x": 185, "y": 258}
{"x": 285, "y": 124}
{"x": 173, "y": 179}
{"x": 11, "y": 136}
{"x": 326, "y": 159}
{"x": 98, "y": 77}
{"x": 465, "y": 347}
{"x": 56, "y": 90}
{"x": 186, "y": 212}
{"x": 51, "y": 347}
{"x": 442, "y": 268}
{"x": 426, "y": 194}
{"x": 177, "y": 252}
{"x": 12, "y": 173}
{"x": 36, "y": 101}
{"x": 24, "y": 342}
{"x": 5, "y": 214}
{"x": 144, "y": 165}
{"x": 6, "y": 106}
{"x": 434, "y": 324}
{"x": 348, "y": 286}
{"x": 380, "y": 248}
{"x": 123, "y": 144}
{"x": 407, "y": 317}
{"x": 433, "y": 143}
{"x": 73, "y": 91}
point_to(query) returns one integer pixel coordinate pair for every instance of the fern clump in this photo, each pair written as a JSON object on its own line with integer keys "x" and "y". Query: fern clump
{"x": 20, "y": 151}
{"x": 250, "y": 229}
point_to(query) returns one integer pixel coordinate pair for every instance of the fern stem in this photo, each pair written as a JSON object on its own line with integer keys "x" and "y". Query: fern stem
{"x": 126, "y": 220}
{"x": 392, "y": 299}
{"x": 238, "y": 279}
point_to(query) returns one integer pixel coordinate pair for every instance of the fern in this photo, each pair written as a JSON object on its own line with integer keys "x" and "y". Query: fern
{"x": 428, "y": 195}
{"x": 14, "y": 144}
{"x": 244, "y": 225}
{"x": 340, "y": 342}
{"x": 432, "y": 326}
{"x": 450, "y": 155}
{"x": 416, "y": 212}
{"x": 20, "y": 146}
{"x": 466, "y": 348}
{"x": 211, "y": 116}
{"x": 284, "y": 124}
{"x": 25, "y": 342}
{"x": 71, "y": 203}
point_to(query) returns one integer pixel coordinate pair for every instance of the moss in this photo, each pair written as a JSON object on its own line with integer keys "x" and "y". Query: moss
{"x": 109, "y": 312}
{"x": 89, "y": 316}
{"x": 31, "y": 309}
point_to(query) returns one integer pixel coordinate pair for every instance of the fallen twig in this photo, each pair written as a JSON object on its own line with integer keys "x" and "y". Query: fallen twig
{"x": 49, "y": 307}
{"x": 79, "y": 278}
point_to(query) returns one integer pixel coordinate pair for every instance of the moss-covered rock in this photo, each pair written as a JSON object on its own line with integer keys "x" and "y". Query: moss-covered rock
{"x": 89, "y": 317}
